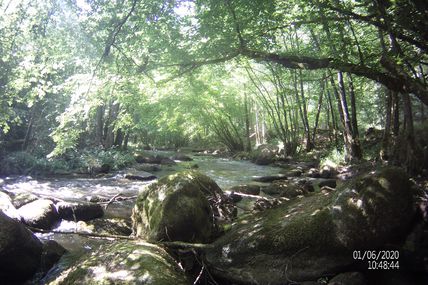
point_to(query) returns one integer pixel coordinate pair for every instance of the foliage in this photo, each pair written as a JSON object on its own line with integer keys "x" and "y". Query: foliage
{"x": 85, "y": 161}
{"x": 98, "y": 157}
{"x": 333, "y": 158}
{"x": 25, "y": 163}
{"x": 93, "y": 74}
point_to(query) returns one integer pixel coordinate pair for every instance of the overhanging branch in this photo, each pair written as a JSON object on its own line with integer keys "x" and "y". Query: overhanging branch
{"x": 397, "y": 82}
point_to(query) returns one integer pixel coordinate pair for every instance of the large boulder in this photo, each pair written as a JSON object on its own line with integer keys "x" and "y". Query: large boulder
{"x": 52, "y": 252}
{"x": 79, "y": 211}
{"x": 124, "y": 263}
{"x": 181, "y": 207}
{"x": 7, "y": 207}
{"x": 20, "y": 251}
{"x": 305, "y": 239}
{"x": 374, "y": 208}
{"x": 40, "y": 214}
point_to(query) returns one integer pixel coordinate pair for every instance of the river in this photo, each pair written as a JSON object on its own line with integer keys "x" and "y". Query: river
{"x": 226, "y": 172}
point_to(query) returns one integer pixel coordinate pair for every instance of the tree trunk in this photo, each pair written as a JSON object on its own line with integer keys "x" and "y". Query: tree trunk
{"x": 109, "y": 129}
{"x": 309, "y": 143}
{"x": 318, "y": 112}
{"x": 99, "y": 125}
{"x": 333, "y": 117}
{"x": 353, "y": 106}
{"x": 412, "y": 159}
{"x": 125, "y": 141}
{"x": 396, "y": 113}
{"x": 29, "y": 130}
{"x": 247, "y": 124}
{"x": 119, "y": 138}
{"x": 384, "y": 152}
{"x": 352, "y": 144}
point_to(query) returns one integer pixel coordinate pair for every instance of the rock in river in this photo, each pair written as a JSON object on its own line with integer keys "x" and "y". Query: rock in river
{"x": 124, "y": 263}
{"x": 40, "y": 214}
{"x": 252, "y": 189}
{"x": 20, "y": 251}
{"x": 7, "y": 207}
{"x": 181, "y": 207}
{"x": 139, "y": 175}
{"x": 181, "y": 157}
{"x": 312, "y": 237}
{"x": 79, "y": 211}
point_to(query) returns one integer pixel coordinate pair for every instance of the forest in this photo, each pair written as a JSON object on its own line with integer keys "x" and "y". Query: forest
{"x": 214, "y": 142}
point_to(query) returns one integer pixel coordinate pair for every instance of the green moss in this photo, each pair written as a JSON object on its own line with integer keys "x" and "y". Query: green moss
{"x": 125, "y": 263}
{"x": 377, "y": 206}
{"x": 177, "y": 208}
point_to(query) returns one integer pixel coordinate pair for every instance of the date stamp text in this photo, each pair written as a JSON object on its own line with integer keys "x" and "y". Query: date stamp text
{"x": 378, "y": 259}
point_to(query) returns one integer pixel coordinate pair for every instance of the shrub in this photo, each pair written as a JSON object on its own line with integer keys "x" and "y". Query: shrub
{"x": 334, "y": 158}
{"x": 19, "y": 162}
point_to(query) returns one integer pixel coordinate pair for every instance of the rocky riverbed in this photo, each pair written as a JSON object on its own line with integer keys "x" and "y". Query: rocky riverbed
{"x": 215, "y": 220}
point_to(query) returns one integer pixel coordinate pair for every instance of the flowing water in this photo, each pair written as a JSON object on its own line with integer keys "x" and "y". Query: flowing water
{"x": 225, "y": 172}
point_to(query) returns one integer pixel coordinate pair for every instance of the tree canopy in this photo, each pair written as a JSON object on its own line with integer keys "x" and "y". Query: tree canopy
{"x": 75, "y": 73}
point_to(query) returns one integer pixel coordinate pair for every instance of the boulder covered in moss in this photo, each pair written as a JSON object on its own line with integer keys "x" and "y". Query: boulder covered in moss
{"x": 124, "y": 263}
{"x": 375, "y": 207}
{"x": 187, "y": 206}
{"x": 305, "y": 239}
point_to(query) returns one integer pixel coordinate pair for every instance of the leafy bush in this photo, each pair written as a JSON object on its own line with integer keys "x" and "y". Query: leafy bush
{"x": 334, "y": 158}
{"x": 17, "y": 163}
{"x": 96, "y": 158}
{"x": 87, "y": 161}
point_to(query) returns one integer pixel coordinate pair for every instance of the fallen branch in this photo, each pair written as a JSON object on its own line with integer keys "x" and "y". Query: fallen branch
{"x": 117, "y": 198}
{"x": 182, "y": 244}
{"x": 111, "y": 201}
{"x": 250, "y": 196}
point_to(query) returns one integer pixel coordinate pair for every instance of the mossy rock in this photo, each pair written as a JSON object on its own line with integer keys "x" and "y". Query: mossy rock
{"x": 111, "y": 226}
{"x": 377, "y": 206}
{"x": 181, "y": 207}
{"x": 124, "y": 263}
{"x": 294, "y": 241}
{"x": 312, "y": 237}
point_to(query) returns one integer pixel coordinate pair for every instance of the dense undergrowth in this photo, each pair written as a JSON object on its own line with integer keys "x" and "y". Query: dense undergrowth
{"x": 87, "y": 161}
